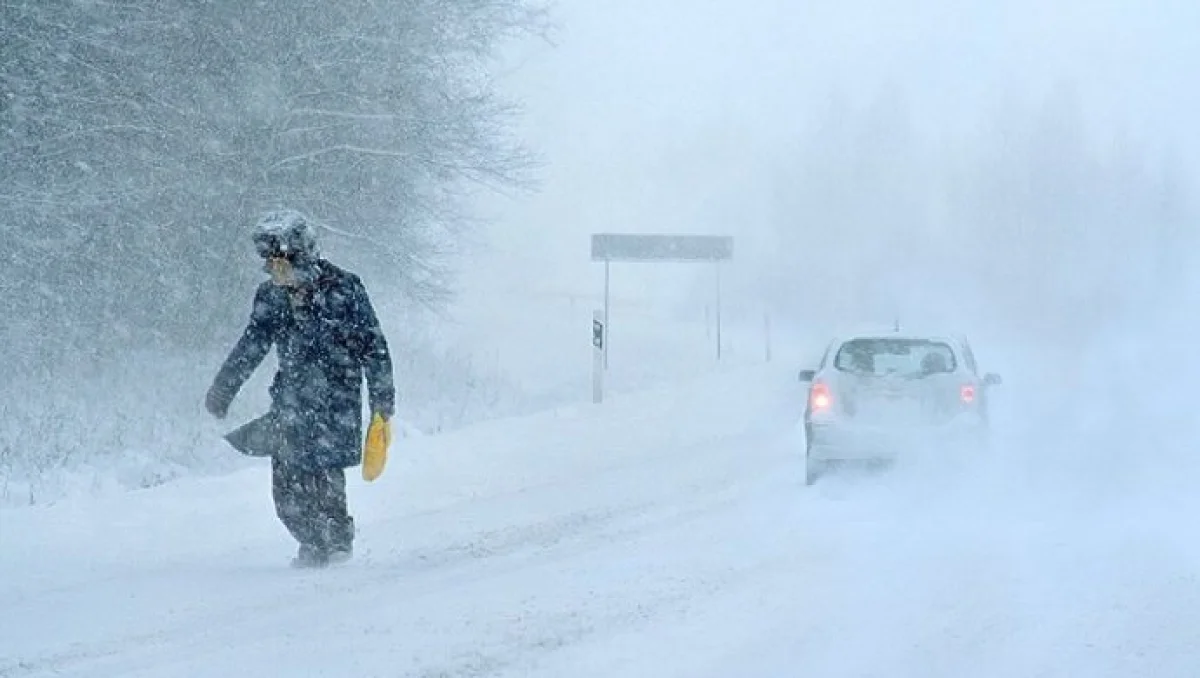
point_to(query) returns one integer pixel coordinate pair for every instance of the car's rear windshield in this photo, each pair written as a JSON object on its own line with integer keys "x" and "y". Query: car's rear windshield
{"x": 897, "y": 356}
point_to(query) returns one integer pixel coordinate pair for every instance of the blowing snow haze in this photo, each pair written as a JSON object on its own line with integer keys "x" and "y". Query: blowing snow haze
{"x": 1020, "y": 172}
{"x": 1025, "y": 167}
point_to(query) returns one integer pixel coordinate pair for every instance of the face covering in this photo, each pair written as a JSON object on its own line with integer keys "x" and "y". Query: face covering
{"x": 282, "y": 272}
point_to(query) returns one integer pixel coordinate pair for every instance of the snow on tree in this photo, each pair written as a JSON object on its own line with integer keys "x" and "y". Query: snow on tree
{"x": 139, "y": 140}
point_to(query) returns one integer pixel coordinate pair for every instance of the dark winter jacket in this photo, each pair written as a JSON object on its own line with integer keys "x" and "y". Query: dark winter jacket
{"x": 326, "y": 338}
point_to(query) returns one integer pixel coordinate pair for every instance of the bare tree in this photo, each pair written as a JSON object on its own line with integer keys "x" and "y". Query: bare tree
{"x": 139, "y": 139}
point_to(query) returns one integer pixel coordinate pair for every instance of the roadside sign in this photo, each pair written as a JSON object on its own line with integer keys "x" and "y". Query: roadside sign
{"x": 597, "y": 356}
{"x": 659, "y": 247}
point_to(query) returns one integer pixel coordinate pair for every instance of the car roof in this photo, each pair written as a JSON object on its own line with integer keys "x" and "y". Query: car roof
{"x": 958, "y": 341}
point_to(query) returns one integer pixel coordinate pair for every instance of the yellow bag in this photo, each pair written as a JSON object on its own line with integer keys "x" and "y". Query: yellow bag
{"x": 379, "y": 438}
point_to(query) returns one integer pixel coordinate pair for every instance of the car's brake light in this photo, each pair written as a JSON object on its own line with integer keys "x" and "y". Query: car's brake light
{"x": 820, "y": 399}
{"x": 967, "y": 393}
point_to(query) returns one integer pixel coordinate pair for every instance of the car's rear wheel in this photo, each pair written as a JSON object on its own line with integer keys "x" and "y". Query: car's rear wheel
{"x": 812, "y": 468}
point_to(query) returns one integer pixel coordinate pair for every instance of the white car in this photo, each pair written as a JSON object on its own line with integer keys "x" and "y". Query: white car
{"x": 875, "y": 395}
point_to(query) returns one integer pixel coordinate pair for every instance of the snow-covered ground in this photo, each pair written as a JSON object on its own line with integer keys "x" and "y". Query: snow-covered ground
{"x": 665, "y": 533}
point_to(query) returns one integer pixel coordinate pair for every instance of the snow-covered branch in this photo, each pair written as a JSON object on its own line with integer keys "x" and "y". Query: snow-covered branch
{"x": 119, "y": 117}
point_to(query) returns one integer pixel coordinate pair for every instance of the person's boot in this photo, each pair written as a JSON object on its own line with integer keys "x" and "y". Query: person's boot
{"x": 310, "y": 556}
{"x": 342, "y": 547}
{"x": 340, "y": 555}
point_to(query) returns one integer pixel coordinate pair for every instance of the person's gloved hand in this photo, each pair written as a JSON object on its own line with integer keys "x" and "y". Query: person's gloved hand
{"x": 379, "y": 438}
{"x": 217, "y": 402}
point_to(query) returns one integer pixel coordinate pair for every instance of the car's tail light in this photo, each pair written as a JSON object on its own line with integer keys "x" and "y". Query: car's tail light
{"x": 967, "y": 393}
{"x": 819, "y": 398}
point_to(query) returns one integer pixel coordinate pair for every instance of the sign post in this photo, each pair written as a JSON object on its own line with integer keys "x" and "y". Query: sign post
{"x": 598, "y": 352}
{"x": 610, "y": 247}
{"x": 605, "y": 347}
{"x": 718, "y": 266}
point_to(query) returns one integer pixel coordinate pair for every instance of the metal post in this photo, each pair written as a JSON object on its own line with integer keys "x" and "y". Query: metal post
{"x": 718, "y": 308}
{"x": 606, "y": 265}
{"x": 599, "y": 329}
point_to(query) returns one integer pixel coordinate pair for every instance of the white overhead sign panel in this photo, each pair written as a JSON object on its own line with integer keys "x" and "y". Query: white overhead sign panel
{"x": 630, "y": 247}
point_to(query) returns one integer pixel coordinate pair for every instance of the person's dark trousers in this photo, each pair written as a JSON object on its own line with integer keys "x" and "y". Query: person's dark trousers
{"x": 311, "y": 503}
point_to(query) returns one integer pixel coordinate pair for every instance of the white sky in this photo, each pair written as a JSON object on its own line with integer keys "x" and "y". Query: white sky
{"x": 652, "y": 115}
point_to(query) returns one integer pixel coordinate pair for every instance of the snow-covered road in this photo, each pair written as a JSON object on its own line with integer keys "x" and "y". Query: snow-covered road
{"x": 665, "y": 534}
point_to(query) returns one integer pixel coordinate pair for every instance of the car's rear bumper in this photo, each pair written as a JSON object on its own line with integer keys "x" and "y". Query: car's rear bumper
{"x": 837, "y": 440}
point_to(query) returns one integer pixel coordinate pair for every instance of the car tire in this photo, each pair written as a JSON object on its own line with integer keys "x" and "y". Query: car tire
{"x": 812, "y": 469}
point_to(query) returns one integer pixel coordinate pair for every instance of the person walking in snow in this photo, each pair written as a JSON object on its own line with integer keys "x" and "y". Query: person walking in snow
{"x": 321, "y": 322}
